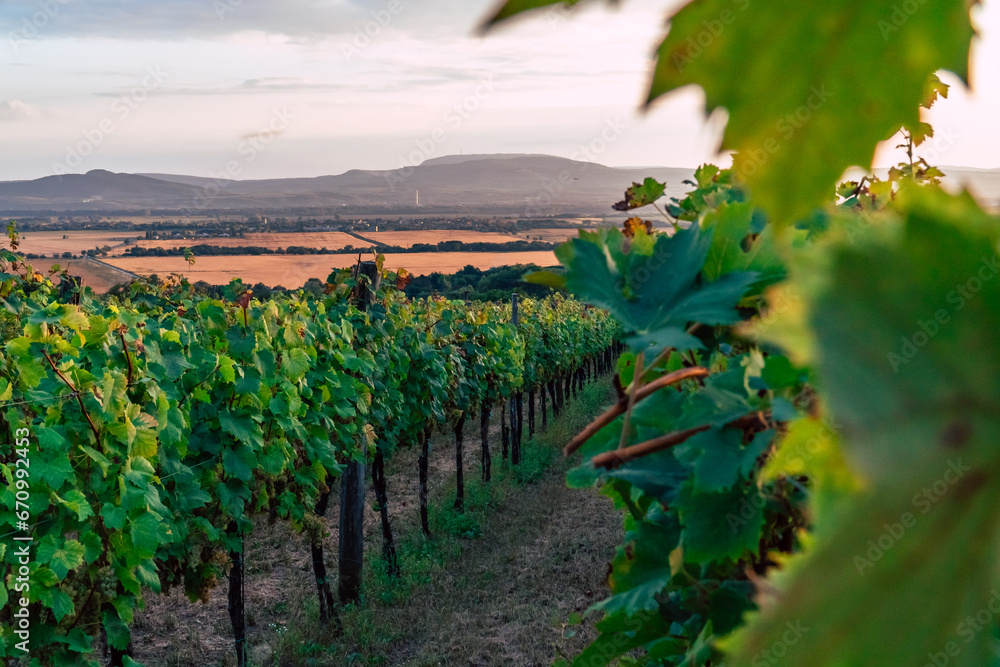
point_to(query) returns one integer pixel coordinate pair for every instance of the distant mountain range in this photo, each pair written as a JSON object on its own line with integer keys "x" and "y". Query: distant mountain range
{"x": 516, "y": 184}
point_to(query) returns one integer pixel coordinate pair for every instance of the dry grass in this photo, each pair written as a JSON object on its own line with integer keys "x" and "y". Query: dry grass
{"x": 539, "y": 554}
{"x": 294, "y": 270}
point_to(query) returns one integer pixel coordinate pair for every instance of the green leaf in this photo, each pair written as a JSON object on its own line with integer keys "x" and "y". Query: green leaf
{"x": 79, "y": 641}
{"x": 117, "y": 632}
{"x": 92, "y": 545}
{"x": 53, "y": 472}
{"x": 244, "y": 429}
{"x": 295, "y": 364}
{"x": 716, "y": 457}
{"x": 638, "y": 195}
{"x": 657, "y": 295}
{"x": 147, "y": 531}
{"x": 912, "y": 371}
{"x": 720, "y": 526}
{"x": 639, "y": 571}
{"x": 58, "y": 601}
{"x": 546, "y": 279}
{"x": 239, "y": 462}
{"x": 61, "y": 557}
{"x": 114, "y": 517}
{"x": 807, "y": 87}
{"x": 511, "y": 8}
{"x": 75, "y": 501}
{"x": 736, "y": 247}
{"x": 227, "y": 368}
{"x": 881, "y": 569}
{"x": 74, "y": 318}
{"x": 728, "y": 603}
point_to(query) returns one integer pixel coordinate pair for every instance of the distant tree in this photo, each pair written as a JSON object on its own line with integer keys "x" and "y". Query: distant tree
{"x": 314, "y": 286}
{"x": 261, "y": 291}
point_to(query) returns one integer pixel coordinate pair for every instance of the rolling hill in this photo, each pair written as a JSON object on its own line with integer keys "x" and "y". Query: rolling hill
{"x": 516, "y": 184}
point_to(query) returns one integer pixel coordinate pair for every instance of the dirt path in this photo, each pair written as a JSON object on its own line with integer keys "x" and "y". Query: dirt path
{"x": 540, "y": 558}
{"x": 494, "y": 586}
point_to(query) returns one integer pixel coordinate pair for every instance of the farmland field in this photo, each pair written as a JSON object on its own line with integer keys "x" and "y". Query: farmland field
{"x": 330, "y": 240}
{"x": 76, "y": 241}
{"x": 294, "y": 270}
{"x": 95, "y": 275}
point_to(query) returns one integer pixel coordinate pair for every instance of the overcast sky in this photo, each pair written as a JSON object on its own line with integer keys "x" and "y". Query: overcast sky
{"x": 262, "y": 88}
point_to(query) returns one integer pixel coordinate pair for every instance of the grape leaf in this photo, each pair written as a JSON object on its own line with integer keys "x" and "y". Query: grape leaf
{"x": 654, "y": 294}
{"x": 718, "y": 457}
{"x": 148, "y": 532}
{"x": 720, "y": 526}
{"x": 640, "y": 195}
{"x": 117, "y": 632}
{"x": 639, "y": 572}
{"x": 60, "y": 557}
{"x": 887, "y": 570}
{"x": 901, "y": 380}
{"x": 511, "y": 8}
{"x": 733, "y": 248}
{"x": 800, "y": 113}
{"x": 242, "y": 428}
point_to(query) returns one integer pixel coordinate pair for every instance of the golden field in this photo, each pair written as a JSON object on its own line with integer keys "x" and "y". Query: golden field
{"x": 330, "y": 240}
{"x": 76, "y": 242}
{"x": 294, "y": 270}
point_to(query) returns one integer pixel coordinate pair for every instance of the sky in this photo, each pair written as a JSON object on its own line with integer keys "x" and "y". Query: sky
{"x": 268, "y": 89}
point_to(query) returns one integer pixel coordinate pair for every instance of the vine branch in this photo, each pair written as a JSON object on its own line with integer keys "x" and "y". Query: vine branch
{"x": 618, "y": 457}
{"x": 638, "y": 371}
{"x": 121, "y": 334}
{"x": 623, "y": 401}
{"x": 76, "y": 393}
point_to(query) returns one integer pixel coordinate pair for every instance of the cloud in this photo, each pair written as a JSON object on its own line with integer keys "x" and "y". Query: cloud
{"x": 205, "y": 19}
{"x": 13, "y": 110}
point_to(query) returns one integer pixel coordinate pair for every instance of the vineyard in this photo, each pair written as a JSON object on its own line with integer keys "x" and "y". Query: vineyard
{"x": 803, "y": 440}
{"x": 151, "y": 430}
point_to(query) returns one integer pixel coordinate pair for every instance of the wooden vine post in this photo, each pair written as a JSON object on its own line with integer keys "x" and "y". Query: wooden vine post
{"x": 484, "y": 436}
{"x": 382, "y": 498}
{"x": 545, "y": 416}
{"x": 237, "y": 599}
{"x": 504, "y": 432}
{"x": 459, "y": 465}
{"x": 425, "y": 437}
{"x": 515, "y": 401}
{"x": 351, "y": 553}
{"x": 531, "y": 413}
{"x": 327, "y": 610}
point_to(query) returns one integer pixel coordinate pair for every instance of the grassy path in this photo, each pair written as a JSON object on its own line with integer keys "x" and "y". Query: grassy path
{"x": 493, "y": 586}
